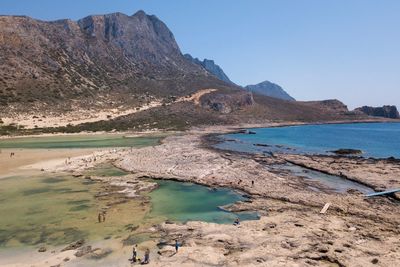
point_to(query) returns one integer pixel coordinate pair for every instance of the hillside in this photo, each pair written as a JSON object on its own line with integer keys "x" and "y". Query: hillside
{"x": 101, "y": 61}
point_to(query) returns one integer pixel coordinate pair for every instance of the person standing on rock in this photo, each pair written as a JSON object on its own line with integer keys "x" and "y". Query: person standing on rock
{"x": 134, "y": 254}
{"x": 146, "y": 259}
{"x": 176, "y": 246}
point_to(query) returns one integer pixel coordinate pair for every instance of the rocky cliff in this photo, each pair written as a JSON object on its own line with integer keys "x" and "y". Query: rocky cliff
{"x": 385, "y": 111}
{"x": 269, "y": 89}
{"x": 211, "y": 67}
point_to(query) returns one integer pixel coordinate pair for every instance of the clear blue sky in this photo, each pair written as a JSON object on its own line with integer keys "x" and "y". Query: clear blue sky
{"x": 345, "y": 49}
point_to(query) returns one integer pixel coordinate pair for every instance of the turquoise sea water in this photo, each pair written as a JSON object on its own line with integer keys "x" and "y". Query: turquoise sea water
{"x": 379, "y": 140}
{"x": 190, "y": 202}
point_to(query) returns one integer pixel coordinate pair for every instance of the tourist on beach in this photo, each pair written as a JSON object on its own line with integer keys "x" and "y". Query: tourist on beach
{"x": 176, "y": 246}
{"x": 236, "y": 222}
{"x": 104, "y": 216}
{"x": 146, "y": 259}
{"x": 252, "y": 183}
{"x": 99, "y": 217}
{"x": 134, "y": 254}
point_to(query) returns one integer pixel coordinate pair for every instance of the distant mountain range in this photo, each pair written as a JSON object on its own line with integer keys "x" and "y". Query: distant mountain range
{"x": 266, "y": 88}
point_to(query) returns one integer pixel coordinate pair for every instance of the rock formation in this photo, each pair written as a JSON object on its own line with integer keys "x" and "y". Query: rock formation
{"x": 385, "y": 111}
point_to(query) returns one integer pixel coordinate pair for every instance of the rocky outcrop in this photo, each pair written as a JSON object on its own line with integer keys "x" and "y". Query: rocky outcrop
{"x": 224, "y": 103}
{"x": 269, "y": 89}
{"x": 385, "y": 111}
{"x": 330, "y": 105}
{"x": 211, "y": 67}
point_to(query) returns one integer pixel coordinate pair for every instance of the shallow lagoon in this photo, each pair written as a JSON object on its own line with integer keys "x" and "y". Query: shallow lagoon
{"x": 80, "y": 141}
{"x": 59, "y": 209}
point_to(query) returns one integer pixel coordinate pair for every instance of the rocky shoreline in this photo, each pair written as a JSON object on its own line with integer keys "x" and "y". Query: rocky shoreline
{"x": 352, "y": 226}
{"x": 354, "y": 231}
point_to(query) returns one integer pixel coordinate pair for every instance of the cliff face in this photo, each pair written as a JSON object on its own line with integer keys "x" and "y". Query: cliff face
{"x": 269, "y": 89}
{"x": 98, "y": 60}
{"x": 385, "y": 111}
{"x": 211, "y": 67}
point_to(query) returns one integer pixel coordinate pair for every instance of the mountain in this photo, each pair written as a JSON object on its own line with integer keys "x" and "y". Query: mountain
{"x": 98, "y": 61}
{"x": 211, "y": 67}
{"x": 385, "y": 111}
{"x": 115, "y": 65}
{"x": 269, "y": 89}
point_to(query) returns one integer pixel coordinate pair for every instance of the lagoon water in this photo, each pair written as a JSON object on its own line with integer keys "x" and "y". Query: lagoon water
{"x": 79, "y": 141}
{"x": 379, "y": 140}
{"x": 190, "y": 202}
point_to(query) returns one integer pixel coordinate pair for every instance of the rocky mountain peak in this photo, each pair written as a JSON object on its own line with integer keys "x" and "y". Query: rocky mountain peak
{"x": 211, "y": 67}
{"x": 269, "y": 89}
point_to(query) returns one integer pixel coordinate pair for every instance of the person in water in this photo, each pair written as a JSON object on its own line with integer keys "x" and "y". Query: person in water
{"x": 236, "y": 222}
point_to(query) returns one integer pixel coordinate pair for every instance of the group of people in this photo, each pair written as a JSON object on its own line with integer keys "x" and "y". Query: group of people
{"x": 136, "y": 259}
{"x": 146, "y": 259}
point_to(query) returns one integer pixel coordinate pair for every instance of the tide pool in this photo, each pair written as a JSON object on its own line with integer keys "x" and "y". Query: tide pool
{"x": 190, "y": 202}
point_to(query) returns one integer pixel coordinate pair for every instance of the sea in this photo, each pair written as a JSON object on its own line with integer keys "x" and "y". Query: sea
{"x": 376, "y": 140}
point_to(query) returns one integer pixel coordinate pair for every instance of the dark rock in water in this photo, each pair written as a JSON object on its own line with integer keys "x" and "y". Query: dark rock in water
{"x": 162, "y": 243}
{"x": 74, "y": 245}
{"x": 347, "y": 151}
{"x": 135, "y": 239}
{"x": 385, "y": 111}
{"x": 264, "y": 145}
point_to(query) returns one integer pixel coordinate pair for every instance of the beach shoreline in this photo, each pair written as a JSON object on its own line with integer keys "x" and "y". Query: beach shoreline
{"x": 289, "y": 209}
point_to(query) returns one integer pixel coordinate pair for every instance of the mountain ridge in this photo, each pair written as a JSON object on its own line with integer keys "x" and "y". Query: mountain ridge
{"x": 95, "y": 58}
{"x": 270, "y": 89}
{"x": 210, "y": 66}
